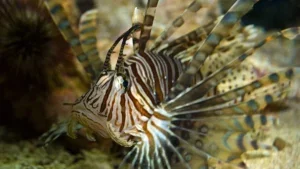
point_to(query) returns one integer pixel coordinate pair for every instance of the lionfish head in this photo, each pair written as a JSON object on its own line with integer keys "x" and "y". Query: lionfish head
{"x": 93, "y": 109}
{"x": 98, "y": 110}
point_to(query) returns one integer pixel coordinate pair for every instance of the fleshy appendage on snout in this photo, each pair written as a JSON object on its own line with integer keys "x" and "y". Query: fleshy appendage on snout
{"x": 93, "y": 124}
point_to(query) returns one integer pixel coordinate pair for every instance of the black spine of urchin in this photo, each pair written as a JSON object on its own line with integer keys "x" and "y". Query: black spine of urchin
{"x": 31, "y": 48}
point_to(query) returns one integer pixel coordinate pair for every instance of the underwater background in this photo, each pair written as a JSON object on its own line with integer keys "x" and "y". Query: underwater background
{"x": 38, "y": 73}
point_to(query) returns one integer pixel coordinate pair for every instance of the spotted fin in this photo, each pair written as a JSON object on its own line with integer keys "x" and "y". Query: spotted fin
{"x": 202, "y": 87}
{"x": 239, "y": 41}
{"x": 228, "y": 124}
{"x": 219, "y": 32}
{"x": 225, "y": 139}
{"x": 252, "y": 106}
{"x": 267, "y": 84}
{"x": 240, "y": 123}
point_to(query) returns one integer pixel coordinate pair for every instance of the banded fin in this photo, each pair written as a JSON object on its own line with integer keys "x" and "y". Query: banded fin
{"x": 251, "y": 106}
{"x": 202, "y": 87}
{"x": 72, "y": 13}
{"x": 54, "y": 132}
{"x": 61, "y": 20}
{"x": 245, "y": 91}
{"x": 186, "y": 41}
{"x": 137, "y": 19}
{"x": 191, "y": 10}
{"x": 88, "y": 30}
{"x": 238, "y": 123}
{"x": 239, "y": 40}
{"x": 147, "y": 24}
{"x": 219, "y": 32}
{"x": 225, "y": 139}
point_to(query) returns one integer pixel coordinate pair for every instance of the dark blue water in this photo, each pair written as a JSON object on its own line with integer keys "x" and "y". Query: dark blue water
{"x": 274, "y": 14}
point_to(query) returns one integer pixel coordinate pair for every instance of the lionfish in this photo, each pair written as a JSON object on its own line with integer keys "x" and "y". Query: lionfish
{"x": 189, "y": 102}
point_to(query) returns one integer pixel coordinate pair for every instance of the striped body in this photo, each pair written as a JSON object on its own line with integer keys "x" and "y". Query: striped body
{"x": 192, "y": 102}
{"x": 148, "y": 85}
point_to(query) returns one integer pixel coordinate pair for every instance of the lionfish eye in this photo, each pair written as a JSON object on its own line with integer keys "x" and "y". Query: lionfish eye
{"x": 125, "y": 83}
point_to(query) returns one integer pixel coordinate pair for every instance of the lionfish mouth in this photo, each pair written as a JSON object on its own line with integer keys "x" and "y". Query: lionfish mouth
{"x": 192, "y": 102}
{"x": 122, "y": 138}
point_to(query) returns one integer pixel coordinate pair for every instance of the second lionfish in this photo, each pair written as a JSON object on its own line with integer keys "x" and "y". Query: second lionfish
{"x": 191, "y": 102}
